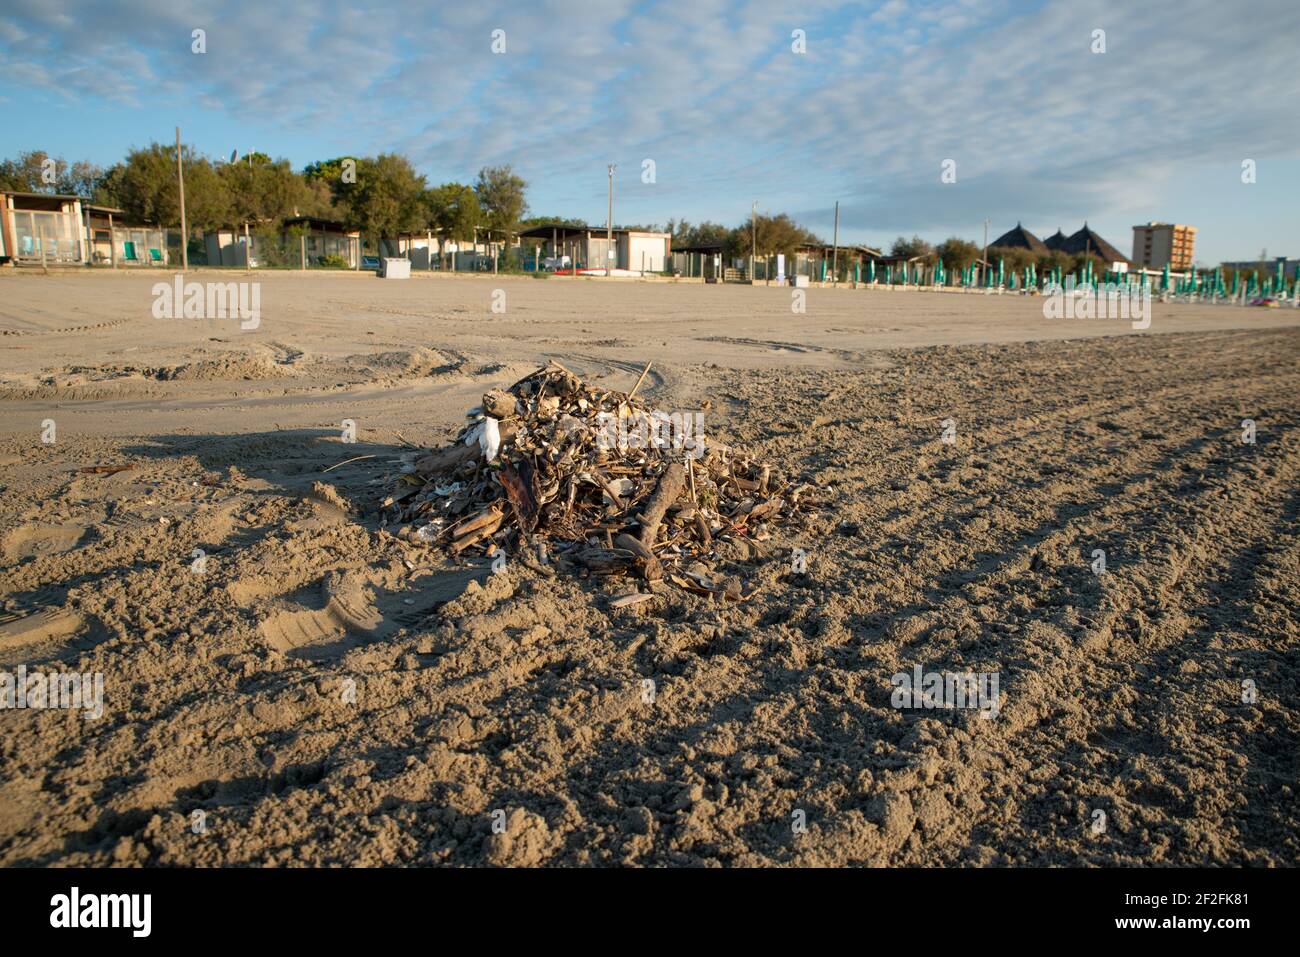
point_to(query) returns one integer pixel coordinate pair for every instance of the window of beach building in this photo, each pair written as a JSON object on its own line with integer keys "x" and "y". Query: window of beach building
{"x": 35, "y": 231}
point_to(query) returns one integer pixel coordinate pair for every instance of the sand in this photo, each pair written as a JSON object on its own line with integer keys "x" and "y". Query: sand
{"x": 318, "y": 691}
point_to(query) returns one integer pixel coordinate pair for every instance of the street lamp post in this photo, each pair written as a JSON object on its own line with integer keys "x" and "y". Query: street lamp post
{"x": 609, "y": 223}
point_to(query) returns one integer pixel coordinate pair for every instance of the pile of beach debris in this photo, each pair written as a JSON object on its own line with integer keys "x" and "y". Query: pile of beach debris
{"x": 560, "y": 473}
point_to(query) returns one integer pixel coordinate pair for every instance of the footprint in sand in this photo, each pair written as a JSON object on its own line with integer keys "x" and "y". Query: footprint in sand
{"x": 357, "y": 610}
{"x": 49, "y": 624}
{"x": 38, "y": 539}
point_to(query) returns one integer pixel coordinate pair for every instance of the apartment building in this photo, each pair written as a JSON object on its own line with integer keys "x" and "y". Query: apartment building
{"x": 1157, "y": 245}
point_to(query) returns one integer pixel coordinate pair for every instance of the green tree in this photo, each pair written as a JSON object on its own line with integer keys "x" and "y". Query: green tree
{"x": 262, "y": 190}
{"x": 26, "y": 174}
{"x": 501, "y": 194}
{"x": 702, "y": 234}
{"x": 328, "y": 171}
{"x": 1053, "y": 259}
{"x": 777, "y": 234}
{"x": 957, "y": 254}
{"x": 529, "y": 221}
{"x": 387, "y": 199}
{"x": 144, "y": 186}
{"x": 453, "y": 209}
{"x": 323, "y": 186}
{"x": 1079, "y": 260}
{"x": 912, "y": 248}
{"x": 1014, "y": 258}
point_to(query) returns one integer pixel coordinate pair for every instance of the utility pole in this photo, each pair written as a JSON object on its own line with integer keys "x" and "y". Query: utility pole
{"x": 753, "y": 252}
{"x": 984, "y": 259}
{"x": 835, "y": 250}
{"x": 609, "y": 223}
{"x": 180, "y": 180}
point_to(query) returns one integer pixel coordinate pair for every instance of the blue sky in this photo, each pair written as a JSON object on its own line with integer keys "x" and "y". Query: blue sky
{"x": 1042, "y": 129}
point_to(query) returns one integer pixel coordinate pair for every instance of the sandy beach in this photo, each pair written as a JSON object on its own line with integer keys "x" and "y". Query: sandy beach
{"x": 247, "y": 693}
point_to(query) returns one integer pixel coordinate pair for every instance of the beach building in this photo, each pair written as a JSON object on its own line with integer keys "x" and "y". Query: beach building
{"x": 41, "y": 227}
{"x": 460, "y": 254}
{"x": 310, "y": 235}
{"x": 325, "y": 237}
{"x": 698, "y": 261}
{"x": 635, "y": 251}
{"x": 229, "y": 247}
{"x": 113, "y": 241}
{"x": 815, "y": 260}
{"x": 1268, "y": 267}
{"x": 1156, "y": 245}
{"x": 101, "y": 223}
{"x": 1088, "y": 242}
{"x": 1021, "y": 238}
{"x": 1056, "y": 242}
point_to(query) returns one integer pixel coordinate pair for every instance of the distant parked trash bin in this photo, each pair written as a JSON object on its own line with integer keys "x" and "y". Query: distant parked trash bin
{"x": 396, "y": 269}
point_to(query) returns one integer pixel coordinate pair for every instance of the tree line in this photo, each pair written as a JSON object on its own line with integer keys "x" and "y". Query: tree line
{"x": 380, "y": 196}
{"x": 957, "y": 254}
{"x": 383, "y": 196}
{"x": 764, "y": 234}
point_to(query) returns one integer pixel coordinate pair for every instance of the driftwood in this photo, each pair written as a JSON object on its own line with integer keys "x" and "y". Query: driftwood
{"x": 666, "y": 493}
{"x": 650, "y": 567}
{"x": 521, "y": 491}
{"x": 582, "y": 474}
